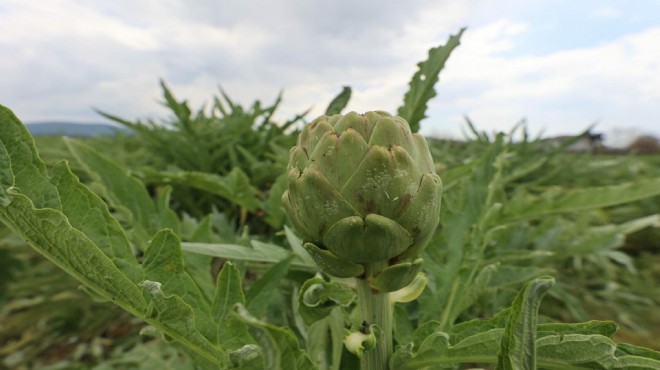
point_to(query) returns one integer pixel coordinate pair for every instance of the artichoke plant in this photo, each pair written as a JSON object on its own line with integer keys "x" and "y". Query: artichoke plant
{"x": 363, "y": 196}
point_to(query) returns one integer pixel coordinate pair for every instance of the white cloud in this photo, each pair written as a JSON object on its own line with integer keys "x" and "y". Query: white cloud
{"x": 67, "y": 56}
{"x": 563, "y": 91}
{"x": 55, "y": 21}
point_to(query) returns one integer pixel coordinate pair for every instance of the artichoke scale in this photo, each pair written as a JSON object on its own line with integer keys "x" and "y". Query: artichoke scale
{"x": 372, "y": 239}
{"x": 331, "y": 264}
{"x": 314, "y": 203}
{"x": 384, "y": 182}
{"x": 337, "y": 156}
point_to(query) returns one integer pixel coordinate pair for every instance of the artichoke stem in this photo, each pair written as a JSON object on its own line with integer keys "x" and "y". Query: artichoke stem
{"x": 375, "y": 309}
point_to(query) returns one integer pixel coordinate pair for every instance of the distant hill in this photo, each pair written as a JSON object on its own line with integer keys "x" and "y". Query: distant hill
{"x": 45, "y": 128}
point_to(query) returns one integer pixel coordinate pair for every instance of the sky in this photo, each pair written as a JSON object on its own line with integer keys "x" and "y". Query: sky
{"x": 560, "y": 65}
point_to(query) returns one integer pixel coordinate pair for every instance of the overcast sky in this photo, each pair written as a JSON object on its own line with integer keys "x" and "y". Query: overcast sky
{"x": 562, "y": 65}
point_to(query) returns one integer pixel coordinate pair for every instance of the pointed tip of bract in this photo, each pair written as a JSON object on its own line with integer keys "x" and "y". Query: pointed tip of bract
{"x": 393, "y": 131}
{"x": 361, "y": 123}
{"x": 298, "y": 158}
{"x": 313, "y": 132}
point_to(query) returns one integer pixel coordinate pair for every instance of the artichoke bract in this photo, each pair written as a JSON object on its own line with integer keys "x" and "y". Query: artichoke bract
{"x": 363, "y": 196}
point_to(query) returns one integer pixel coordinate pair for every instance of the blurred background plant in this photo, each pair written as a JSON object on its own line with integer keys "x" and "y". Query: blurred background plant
{"x": 224, "y": 157}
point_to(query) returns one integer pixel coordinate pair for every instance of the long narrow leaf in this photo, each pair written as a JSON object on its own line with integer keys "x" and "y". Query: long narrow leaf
{"x": 339, "y": 102}
{"x": 232, "y": 332}
{"x": 579, "y": 200}
{"x": 518, "y": 346}
{"x": 259, "y": 252}
{"x": 422, "y": 83}
{"x": 163, "y": 262}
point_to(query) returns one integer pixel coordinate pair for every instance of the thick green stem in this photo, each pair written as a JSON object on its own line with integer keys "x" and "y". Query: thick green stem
{"x": 376, "y": 309}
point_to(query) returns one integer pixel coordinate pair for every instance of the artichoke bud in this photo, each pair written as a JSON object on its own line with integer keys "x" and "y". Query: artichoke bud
{"x": 362, "y": 191}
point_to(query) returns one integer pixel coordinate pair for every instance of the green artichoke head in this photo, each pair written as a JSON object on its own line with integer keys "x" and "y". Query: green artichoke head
{"x": 362, "y": 191}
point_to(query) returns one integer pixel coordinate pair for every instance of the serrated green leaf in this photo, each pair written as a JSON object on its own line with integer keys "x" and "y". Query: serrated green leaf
{"x": 339, "y": 102}
{"x": 432, "y": 350}
{"x": 163, "y": 262}
{"x": 90, "y": 245}
{"x": 281, "y": 348}
{"x": 86, "y": 212}
{"x": 232, "y": 332}
{"x": 317, "y": 298}
{"x": 20, "y": 153}
{"x": 124, "y": 192}
{"x": 421, "y": 89}
{"x": 561, "y": 352}
{"x": 104, "y": 268}
{"x": 167, "y": 218}
{"x": 248, "y": 357}
{"x": 49, "y": 232}
{"x": 176, "y": 318}
{"x": 581, "y": 346}
{"x": 518, "y": 346}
